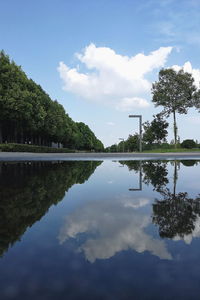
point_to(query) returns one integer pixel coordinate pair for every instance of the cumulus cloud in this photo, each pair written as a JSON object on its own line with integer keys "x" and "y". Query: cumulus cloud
{"x": 110, "y": 123}
{"x": 187, "y": 67}
{"x": 111, "y": 78}
{"x": 127, "y": 104}
{"x": 110, "y": 227}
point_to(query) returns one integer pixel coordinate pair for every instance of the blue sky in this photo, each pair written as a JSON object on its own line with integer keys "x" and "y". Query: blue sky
{"x": 99, "y": 57}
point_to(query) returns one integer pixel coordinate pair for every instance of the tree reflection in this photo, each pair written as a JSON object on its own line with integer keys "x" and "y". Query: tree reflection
{"x": 27, "y": 190}
{"x": 176, "y": 213}
{"x": 153, "y": 172}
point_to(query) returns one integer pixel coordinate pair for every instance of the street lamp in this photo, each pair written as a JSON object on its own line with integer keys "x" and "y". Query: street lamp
{"x": 123, "y": 142}
{"x": 140, "y": 128}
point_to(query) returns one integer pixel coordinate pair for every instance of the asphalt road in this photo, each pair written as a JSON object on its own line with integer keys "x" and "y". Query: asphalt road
{"x": 25, "y": 156}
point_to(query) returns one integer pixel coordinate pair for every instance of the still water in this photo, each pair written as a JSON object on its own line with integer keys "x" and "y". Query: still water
{"x": 100, "y": 230}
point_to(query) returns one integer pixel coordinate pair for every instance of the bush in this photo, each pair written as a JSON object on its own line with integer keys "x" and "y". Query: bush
{"x": 189, "y": 144}
{"x": 31, "y": 148}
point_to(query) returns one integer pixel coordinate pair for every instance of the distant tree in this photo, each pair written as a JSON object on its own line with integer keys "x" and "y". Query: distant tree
{"x": 189, "y": 144}
{"x": 132, "y": 143}
{"x": 156, "y": 130}
{"x": 175, "y": 91}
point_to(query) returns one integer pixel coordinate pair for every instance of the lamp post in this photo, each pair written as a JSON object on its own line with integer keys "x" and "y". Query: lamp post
{"x": 123, "y": 142}
{"x": 140, "y": 128}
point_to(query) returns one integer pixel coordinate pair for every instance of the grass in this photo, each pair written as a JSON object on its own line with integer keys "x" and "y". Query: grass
{"x": 171, "y": 150}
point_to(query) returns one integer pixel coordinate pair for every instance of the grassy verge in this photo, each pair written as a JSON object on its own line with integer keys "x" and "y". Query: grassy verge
{"x": 32, "y": 148}
{"x": 172, "y": 150}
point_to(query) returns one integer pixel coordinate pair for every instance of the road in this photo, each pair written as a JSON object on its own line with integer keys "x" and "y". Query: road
{"x": 23, "y": 156}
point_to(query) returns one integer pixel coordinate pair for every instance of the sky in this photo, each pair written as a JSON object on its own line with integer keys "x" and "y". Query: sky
{"x": 99, "y": 58}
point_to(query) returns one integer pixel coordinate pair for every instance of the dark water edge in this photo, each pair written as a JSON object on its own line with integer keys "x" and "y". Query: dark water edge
{"x": 100, "y": 230}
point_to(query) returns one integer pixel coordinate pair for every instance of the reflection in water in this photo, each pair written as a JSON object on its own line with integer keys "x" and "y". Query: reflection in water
{"x": 176, "y": 214}
{"x": 27, "y": 190}
{"x": 110, "y": 227}
{"x": 150, "y": 172}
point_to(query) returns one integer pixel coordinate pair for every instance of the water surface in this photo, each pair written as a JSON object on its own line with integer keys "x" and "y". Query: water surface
{"x": 100, "y": 230}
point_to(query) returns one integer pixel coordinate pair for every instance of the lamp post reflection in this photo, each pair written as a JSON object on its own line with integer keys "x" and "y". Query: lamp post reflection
{"x": 140, "y": 179}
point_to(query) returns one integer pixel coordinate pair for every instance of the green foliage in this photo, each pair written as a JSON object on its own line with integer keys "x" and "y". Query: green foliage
{"x": 129, "y": 145}
{"x": 155, "y": 132}
{"x": 175, "y": 91}
{"x": 189, "y": 144}
{"x": 28, "y": 115}
{"x": 87, "y": 139}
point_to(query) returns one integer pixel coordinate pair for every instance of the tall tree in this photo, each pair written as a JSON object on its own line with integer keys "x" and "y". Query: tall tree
{"x": 29, "y": 115}
{"x": 174, "y": 91}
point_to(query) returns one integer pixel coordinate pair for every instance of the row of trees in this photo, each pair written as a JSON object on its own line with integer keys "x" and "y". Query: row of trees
{"x": 28, "y": 115}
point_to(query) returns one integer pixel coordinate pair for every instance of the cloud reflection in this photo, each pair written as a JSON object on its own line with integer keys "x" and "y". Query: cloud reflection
{"x": 112, "y": 226}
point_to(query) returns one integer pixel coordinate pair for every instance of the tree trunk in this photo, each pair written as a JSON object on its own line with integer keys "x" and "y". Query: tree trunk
{"x": 175, "y": 176}
{"x": 39, "y": 140}
{"x": 15, "y": 133}
{"x": 21, "y": 136}
{"x": 175, "y": 129}
{"x": 1, "y": 140}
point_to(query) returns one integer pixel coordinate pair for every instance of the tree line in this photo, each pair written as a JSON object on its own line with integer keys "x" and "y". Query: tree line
{"x": 28, "y": 115}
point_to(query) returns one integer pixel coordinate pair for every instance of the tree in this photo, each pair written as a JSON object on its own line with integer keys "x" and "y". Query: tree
{"x": 175, "y": 91}
{"x": 189, "y": 144}
{"x": 29, "y": 115}
{"x": 132, "y": 143}
{"x": 156, "y": 130}
{"x": 196, "y": 100}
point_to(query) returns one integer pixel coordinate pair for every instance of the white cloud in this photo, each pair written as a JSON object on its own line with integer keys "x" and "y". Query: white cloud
{"x": 110, "y": 123}
{"x": 187, "y": 67}
{"x": 127, "y": 104}
{"x": 111, "y": 78}
{"x": 110, "y": 227}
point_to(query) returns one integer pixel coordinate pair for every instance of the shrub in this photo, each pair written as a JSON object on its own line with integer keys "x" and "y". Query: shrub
{"x": 31, "y": 148}
{"x": 189, "y": 144}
